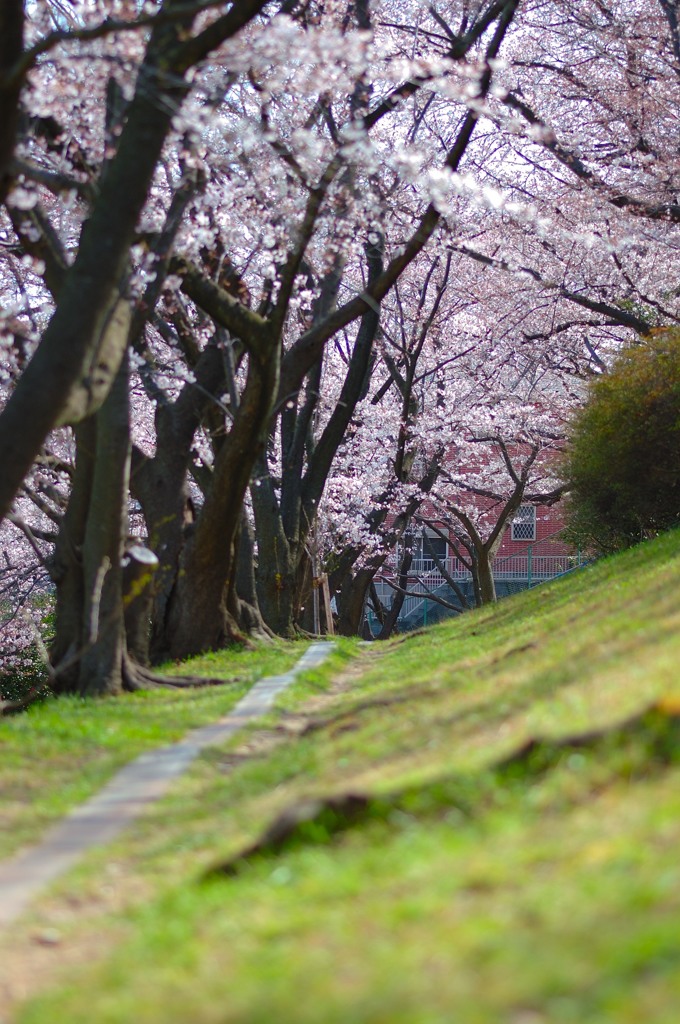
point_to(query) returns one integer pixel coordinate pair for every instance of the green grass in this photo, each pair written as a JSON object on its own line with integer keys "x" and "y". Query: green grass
{"x": 514, "y": 857}
{"x": 61, "y": 751}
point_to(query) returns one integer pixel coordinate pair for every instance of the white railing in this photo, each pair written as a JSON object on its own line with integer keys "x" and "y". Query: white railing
{"x": 426, "y": 567}
{"x": 526, "y": 569}
{"x": 513, "y": 567}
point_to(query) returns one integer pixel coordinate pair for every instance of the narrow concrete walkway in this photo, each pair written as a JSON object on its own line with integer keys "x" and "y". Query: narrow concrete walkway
{"x": 129, "y": 793}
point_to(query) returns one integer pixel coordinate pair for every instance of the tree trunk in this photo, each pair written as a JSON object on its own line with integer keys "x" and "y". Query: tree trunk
{"x": 160, "y": 485}
{"x": 139, "y": 568}
{"x": 276, "y": 574}
{"x": 89, "y": 648}
{"x": 284, "y": 527}
{"x": 249, "y": 615}
{"x": 487, "y": 586}
{"x": 67, "y": 564}
{"x": 102, "y": 599}
{"x": 400, "y": 596}
{"x": 203, "y": 606}
{"x": 11, "y": 47}
{"x": 351, "y": 602}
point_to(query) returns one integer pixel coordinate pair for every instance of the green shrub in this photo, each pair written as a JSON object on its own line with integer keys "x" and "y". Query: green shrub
{"x": 623, "y": 459}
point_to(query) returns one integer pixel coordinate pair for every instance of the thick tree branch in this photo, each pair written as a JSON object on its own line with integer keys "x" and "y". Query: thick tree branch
{"x": 296, "y": 256}
{"x": 305, "y": 351}
{"x": 613, "y": 313}
{"x": 33, "y": 535}
{"x": 548, "y": 140}
{"x": 11, "y": 43}
{"x": 46, "y": 247}
{"x": 224, "y": 309}
{"x": 670, "y": 9}
{"x": 54, "y": 181}
{"x": 321, "y": 460}
{"x": 240, "y": 14}
{"x": 169, "y": 14}
{"x": 67, "y": 357}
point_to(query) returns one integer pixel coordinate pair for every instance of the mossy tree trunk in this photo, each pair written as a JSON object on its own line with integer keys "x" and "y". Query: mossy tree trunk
{"x": 285, "y": 524}
{"x": 204, "y": 607}
{"x": 89, "y": 650}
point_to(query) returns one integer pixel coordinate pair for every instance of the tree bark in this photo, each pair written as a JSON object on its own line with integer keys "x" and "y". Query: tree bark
{"x": 352, "y": 601}
{"x": 276, "y": 562}
{"x": 139, "y": 568}
{"x": 11, "y": 48}
{"x": 89, "y": 648}
{"x": 67, "y": 361}
{"x": 249, "y": 614}
{"x": 67, "y": 565}
{"x": 284, "y": 528}
{"x": 398, "y": 601}
{"x": 103, "y": 640}
{"x": 484, "y": 568}
{"x": 159, "y": 484}
{"x": 203, "y": 606}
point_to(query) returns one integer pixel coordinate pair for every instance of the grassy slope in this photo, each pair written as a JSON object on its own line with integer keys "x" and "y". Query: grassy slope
{"x": 515, "y": 858}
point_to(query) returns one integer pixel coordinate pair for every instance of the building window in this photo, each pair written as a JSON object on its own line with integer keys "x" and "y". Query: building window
{"x": 524, "y": 523}
{"x": 425, "y": 545}
{"x": 430, "y": 544}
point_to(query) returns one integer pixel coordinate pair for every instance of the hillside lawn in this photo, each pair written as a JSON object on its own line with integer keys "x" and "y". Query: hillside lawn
{"x": 478, "y": 823}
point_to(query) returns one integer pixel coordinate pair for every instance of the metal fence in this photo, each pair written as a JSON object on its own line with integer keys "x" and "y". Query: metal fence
{"x": 538, "y": 563}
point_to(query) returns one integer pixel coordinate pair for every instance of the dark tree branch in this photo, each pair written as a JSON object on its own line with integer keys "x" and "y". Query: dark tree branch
{"x": 331, "y": 438}
{"x": 228, "y": 25}
{"x": 460, "y": 47}
{"x": 54, "y": 181}
{"x": 33, "y": 534}
{"x": 11, "y": 43}
{"x": 171, "y": 12}
{"x": 69, "y": 376}
{"x": 46, "y": 247}
{"x": 613, "y": 313}
{"x": 224, "y": 309}
{"x": 548, "y": 140}
{"x": 305, "y": 351}
{"x": 670, "y": 9}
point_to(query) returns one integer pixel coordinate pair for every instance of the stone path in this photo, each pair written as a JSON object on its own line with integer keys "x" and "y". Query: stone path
{"x": 129, "y": 793}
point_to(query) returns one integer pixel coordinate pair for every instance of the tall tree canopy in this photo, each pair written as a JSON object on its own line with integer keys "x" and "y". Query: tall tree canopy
{"x": 269, "y": 266}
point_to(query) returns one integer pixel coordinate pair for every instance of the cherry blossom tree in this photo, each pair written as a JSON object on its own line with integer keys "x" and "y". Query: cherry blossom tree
{"x": 470, "y": 398}
{"x": 257, "y": 245}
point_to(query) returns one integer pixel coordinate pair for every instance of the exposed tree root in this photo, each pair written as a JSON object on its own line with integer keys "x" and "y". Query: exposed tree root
{"x": 318, "y": 820}
{"x": 315, "y": 724}
{"x": 658, "y": 724}
{"x": 136, "y": 677}
{"x": 309, "y": 821}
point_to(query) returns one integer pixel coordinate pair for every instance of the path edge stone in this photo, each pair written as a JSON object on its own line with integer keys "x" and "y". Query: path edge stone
{"x": 130, "y": 791}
